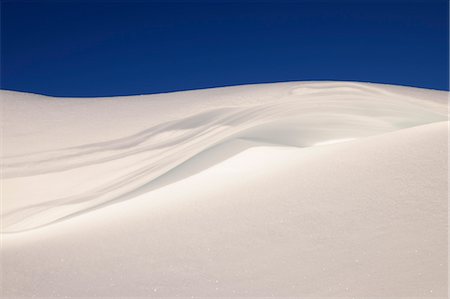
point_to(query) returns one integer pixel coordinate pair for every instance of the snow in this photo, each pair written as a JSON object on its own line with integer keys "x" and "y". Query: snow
{"x": 310, "y": 189}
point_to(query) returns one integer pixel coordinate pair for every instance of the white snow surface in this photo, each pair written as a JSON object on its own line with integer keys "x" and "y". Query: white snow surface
{"x": 299, "y": 189}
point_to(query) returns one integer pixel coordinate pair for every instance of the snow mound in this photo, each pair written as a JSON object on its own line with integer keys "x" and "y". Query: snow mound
{"x": 288, "y": 189}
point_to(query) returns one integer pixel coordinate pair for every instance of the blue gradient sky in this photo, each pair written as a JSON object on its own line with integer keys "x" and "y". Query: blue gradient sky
{"x": 104, "y": 48}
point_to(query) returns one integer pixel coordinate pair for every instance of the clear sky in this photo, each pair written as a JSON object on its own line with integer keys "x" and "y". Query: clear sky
{"x": 104, "y": 48}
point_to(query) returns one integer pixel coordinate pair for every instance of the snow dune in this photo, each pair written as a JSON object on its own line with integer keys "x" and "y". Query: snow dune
{"x": 287, "y": 189}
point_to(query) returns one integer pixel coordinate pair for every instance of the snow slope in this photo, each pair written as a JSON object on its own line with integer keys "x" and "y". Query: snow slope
{"x": 311, "y": 189}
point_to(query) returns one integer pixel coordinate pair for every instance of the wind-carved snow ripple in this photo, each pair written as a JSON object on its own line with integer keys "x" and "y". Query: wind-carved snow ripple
{"x": 304, "y": 117}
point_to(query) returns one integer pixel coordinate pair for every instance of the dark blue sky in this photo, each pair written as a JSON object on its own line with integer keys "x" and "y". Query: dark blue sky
{"x": 102, "y": 48}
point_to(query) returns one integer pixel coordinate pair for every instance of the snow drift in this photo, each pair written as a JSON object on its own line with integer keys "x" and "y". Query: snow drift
{"x": 288, "y": 189}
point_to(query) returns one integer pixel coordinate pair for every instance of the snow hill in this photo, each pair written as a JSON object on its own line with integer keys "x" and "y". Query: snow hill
{"x": 300, "y": 189}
